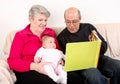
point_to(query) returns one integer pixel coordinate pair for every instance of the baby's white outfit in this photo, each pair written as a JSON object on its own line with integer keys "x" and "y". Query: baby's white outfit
{"x": 54, "y": 69}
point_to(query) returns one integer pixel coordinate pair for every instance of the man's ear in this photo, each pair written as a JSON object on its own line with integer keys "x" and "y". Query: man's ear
{"x": 80, "y": 18}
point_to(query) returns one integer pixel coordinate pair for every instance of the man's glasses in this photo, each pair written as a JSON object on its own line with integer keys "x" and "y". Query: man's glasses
{"x": 72, "y": 21}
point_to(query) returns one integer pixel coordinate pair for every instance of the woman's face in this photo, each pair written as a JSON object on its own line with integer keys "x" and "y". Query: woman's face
{"x": 38, "y": 22}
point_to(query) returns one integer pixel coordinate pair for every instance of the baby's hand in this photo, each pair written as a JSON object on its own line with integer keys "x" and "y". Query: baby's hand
{"x": 62, "y": 62}
{"x": 37, "y": 60}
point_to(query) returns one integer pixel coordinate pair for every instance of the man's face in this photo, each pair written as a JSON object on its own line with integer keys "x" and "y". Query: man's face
{"x": 72, "y": 21}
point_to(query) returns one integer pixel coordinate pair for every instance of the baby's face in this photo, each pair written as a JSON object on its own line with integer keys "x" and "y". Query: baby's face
{"x": 49, "y": 43}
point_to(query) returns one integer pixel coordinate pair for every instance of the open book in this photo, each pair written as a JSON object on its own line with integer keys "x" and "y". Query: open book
{"x": 82, "y": 55}
{"x": 95, "y": 37}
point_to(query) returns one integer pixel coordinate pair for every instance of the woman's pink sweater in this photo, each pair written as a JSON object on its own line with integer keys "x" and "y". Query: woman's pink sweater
{"x": 23, "y": 48}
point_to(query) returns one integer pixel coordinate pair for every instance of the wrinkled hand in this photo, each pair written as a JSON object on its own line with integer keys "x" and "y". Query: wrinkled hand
{"x": 90, "y": 36}
{"x": 39, "y": 67}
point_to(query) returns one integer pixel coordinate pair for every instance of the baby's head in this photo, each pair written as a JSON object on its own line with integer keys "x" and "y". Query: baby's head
{"x": 48, "y": 42}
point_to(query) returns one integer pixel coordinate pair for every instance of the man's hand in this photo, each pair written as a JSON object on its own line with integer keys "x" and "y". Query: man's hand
{"x": 91, "y": 35}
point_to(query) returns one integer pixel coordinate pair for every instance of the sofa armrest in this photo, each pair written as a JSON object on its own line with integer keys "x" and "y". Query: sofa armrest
{"x": 6, "y": 75}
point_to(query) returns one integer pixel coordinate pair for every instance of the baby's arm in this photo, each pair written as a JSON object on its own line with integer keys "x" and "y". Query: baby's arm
{"x": 38, "y": 55}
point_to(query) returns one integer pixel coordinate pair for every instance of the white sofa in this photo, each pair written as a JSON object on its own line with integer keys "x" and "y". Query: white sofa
{"x": 109, "y": 31}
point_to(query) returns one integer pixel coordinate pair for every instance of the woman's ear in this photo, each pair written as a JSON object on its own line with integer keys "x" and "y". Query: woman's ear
{"x": 30, "y": 19}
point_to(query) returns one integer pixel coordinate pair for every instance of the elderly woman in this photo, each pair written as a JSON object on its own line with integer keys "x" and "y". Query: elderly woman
{"x": 24, "y": 46}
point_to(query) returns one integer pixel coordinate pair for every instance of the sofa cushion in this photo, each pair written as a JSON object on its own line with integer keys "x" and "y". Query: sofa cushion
{"x": 7, "y": 44}
{"x": 111, "y": 34}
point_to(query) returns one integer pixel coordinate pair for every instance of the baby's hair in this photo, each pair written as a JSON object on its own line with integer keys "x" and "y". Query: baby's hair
{"x": 44, "y": 37}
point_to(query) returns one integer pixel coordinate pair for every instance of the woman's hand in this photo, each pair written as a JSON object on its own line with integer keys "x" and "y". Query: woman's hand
{"x": 39, "y": 67}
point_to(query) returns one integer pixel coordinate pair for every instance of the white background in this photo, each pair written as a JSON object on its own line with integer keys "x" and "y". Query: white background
{"x": 14, "y": 13}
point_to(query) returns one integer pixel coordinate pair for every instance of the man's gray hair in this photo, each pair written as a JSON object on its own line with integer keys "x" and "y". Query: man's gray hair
{"x": 38, "y": 9}
{"x": 79, "y": 14}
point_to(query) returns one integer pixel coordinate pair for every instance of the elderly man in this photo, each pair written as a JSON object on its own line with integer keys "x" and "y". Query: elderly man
{"x": 80, "y": 32}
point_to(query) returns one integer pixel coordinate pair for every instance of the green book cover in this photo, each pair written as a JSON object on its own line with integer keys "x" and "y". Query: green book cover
{"x": 82, "y": 55}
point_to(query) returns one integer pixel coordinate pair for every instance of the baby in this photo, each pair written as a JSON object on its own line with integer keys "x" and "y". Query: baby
{"x": 49, "y": 53}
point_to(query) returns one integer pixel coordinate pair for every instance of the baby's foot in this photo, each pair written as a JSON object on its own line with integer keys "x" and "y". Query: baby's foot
{"x": 58, "y": 79}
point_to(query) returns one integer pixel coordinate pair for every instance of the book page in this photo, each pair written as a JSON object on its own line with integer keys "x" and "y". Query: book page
{"x": 95, "y": 37}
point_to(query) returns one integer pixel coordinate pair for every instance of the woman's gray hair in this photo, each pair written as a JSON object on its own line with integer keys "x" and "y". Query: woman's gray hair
{"x": 38, "y": 9}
